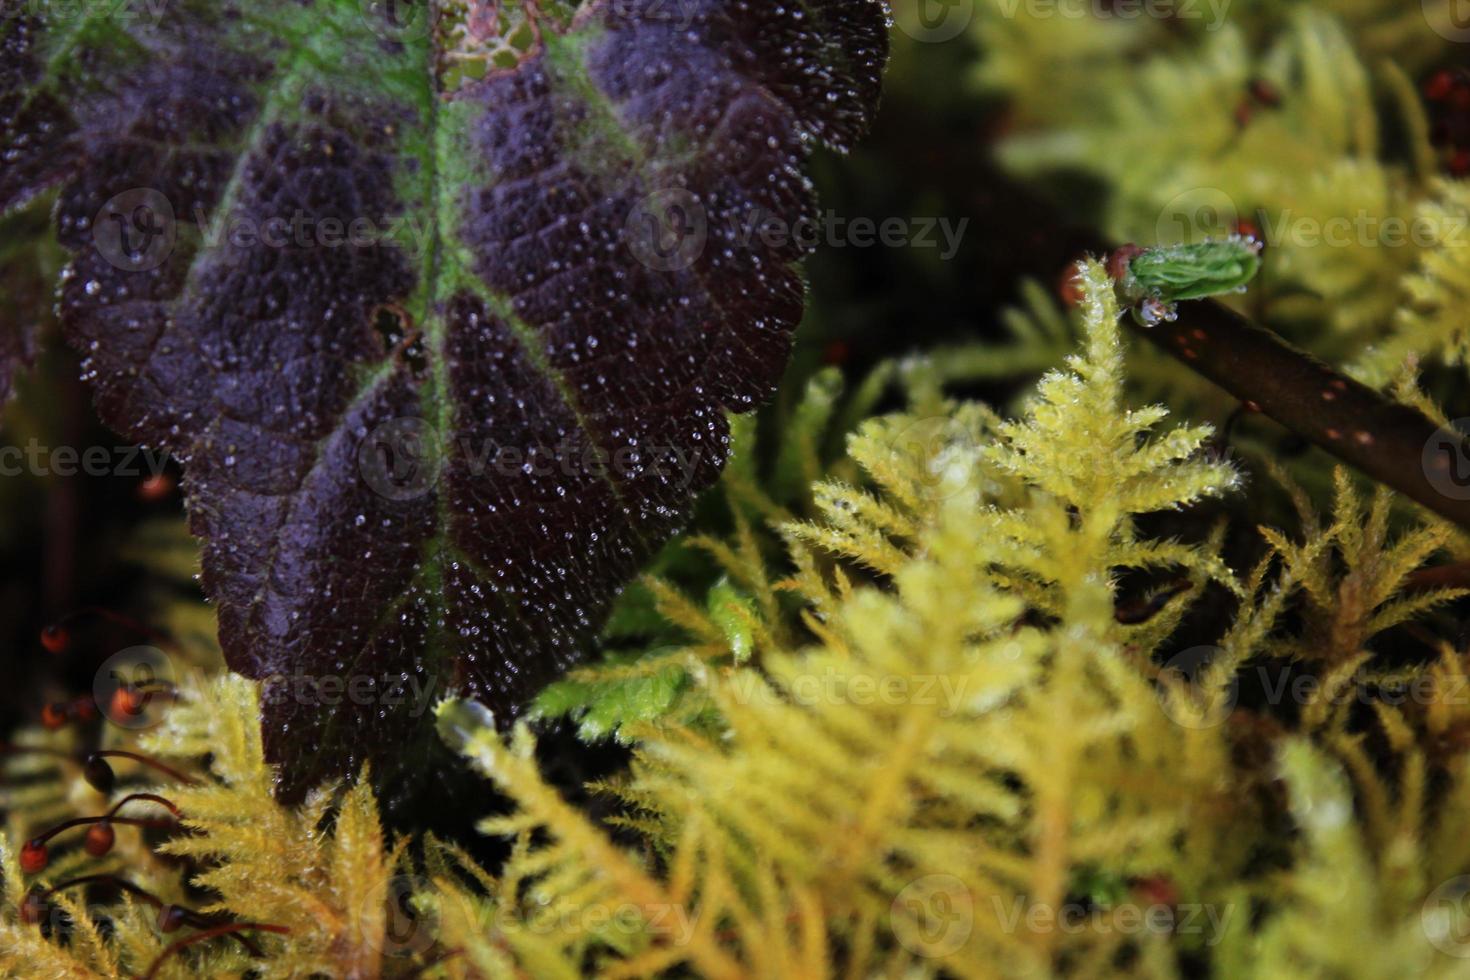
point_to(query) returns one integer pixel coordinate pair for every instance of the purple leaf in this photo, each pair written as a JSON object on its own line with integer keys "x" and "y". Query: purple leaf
{"x": 446, "y": 357}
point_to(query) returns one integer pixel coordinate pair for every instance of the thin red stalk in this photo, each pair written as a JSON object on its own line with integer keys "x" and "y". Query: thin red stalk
{"x": 149, "y": 797}
{"x": 145, "y": 760}
{"x": 212, "y": 933}
{"x": 88, "y": 821}
{"x": 1440, "y": 577}
{"x": 143, "y": 629}
{"x": 191, "y": 917}
{"x": 135, "y": 890}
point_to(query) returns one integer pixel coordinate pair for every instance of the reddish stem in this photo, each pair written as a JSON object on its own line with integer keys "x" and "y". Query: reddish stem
{"x": 145, "y": 760}
{"x": 1440, "y": 577}
{"x": 1384, "y": 439}
{"x": 128, "y": 622}
{"x": 188, "y": 916}
{"x": 214, "y": 932}
{"x": 149, "y": 797}
{"x": 122, "y": 883}
{"x": 75, "y": 822}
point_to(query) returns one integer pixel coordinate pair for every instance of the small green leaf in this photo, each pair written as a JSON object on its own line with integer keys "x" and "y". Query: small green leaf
{"x": 1184, "y": 272}
{"x": 734, "y": 613}
{"x": 602, "y": 706}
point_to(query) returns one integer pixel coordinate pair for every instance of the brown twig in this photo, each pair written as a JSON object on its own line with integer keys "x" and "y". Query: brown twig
{"x": 1455, "y": 576}
{"x": 1382, "y": 438}
{"x": 146, "y": 761}
{"x": 1364, "y": 429}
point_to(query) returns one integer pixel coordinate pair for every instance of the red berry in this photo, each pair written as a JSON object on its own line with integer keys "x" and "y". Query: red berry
{"x": 156, "y": 488}
{"x": 1439, "y": 86}
{"x": 54, "y": 716}
{"x": 1460, "y": 163}
{"x": 100, "y": 838}
{"x": 84, "y": 709}
{"x": 34, "y": 857}
{"x": 55, "y": 638}
{"x": 127, "y": 704}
